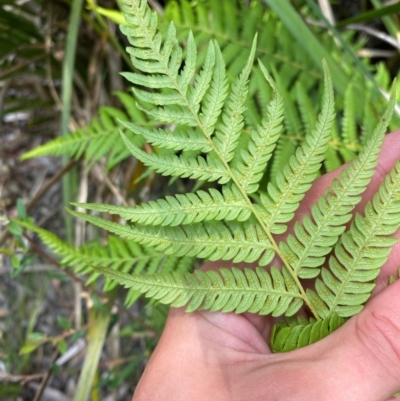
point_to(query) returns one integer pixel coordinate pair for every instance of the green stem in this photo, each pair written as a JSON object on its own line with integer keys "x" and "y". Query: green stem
{"x": 96, "y": 338}
{"x": 67, "y": 86}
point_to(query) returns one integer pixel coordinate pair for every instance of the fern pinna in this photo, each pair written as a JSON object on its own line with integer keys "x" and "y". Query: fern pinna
{"x": 201, "y": 117}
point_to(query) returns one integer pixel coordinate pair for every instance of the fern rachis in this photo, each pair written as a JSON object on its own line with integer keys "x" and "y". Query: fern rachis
{"x": 210, "y": 114}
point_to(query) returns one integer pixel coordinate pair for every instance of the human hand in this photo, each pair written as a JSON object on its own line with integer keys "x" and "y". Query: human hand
{"x": 204, "y": 356}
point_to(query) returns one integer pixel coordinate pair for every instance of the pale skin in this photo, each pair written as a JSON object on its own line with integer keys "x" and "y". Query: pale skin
{"x": 205, "y": 356}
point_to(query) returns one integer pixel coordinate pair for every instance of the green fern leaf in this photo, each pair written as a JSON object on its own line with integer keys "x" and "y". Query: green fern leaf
{"x": 318, "y": 233}
{"x": 217, "y": 241}
{"x": 149, "y": 81}
{"x": 179, "y": 139}
{"x": 203, "y": 80}
{"x": 227, "y": 135}
{"x": 349, "y": 131}
{"x": 283, "y": 198}
{"x": 305, "y": 107}
{"x": 215, "y": 97}
{"x": 250, "y": 169}
{"x": 300, "y": 332}
{"x": 228, "y": 290}
{"x": 159, "y": 99}
{"x": 100, "y": 138}
{"x": 182, "y": 209}
{"x": 119, "y": 255}
{"x": 361, "y": 252}
{"x": 210, "y": 169}
{"x": 172, "y": 115}
{"x": 189, "y": 68}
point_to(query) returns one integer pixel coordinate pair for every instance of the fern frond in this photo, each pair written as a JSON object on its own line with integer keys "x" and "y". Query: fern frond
{"x": 227, "y": 290}
{"x": 317, "y": 234}
{"x": 209, "y": 169}
{"x": 283, "y": 198}
{"x": 361, "y": 252}
{"x": 262, "y": 142}
{"x": 182, "y": 209}
{"x": 213, "y": 241}
{"x": 227, "y": 135}
{"x": 300, "y": 332}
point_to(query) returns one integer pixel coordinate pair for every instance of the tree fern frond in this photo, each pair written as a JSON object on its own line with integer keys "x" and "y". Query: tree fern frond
{"x": 361, "y": 252}
{"x": 227, "y": 135}
{"x": 250, "y": 169}
{"x": 300, "y": 332}
{"x": 213, "y": 241}
{"x": 182, "y": 209}
{"x": 179, "y": 139}
{"x": 255, "y": 291}
{"x": 317, "y": 234}
{"x": 209, "y": 169}
{"x": 283, "y": 198}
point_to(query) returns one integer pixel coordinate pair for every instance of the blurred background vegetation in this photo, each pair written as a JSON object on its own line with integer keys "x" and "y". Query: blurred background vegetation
{"x": 64, "y": 333}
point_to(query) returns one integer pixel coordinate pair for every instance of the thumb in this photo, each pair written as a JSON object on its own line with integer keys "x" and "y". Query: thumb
{"x": 369, "y": 344}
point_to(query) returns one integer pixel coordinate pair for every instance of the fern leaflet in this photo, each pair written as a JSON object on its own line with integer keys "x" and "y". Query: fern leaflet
{"x": 361, "y": 252}
{"x": 229, "y": 290}
{"x": 300, "y": 332}
{"x": 214, "y": 241}
{"x": 183, "y": 209}
{"x": 283, "y": 198}
{"x": 318, "y": 233}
